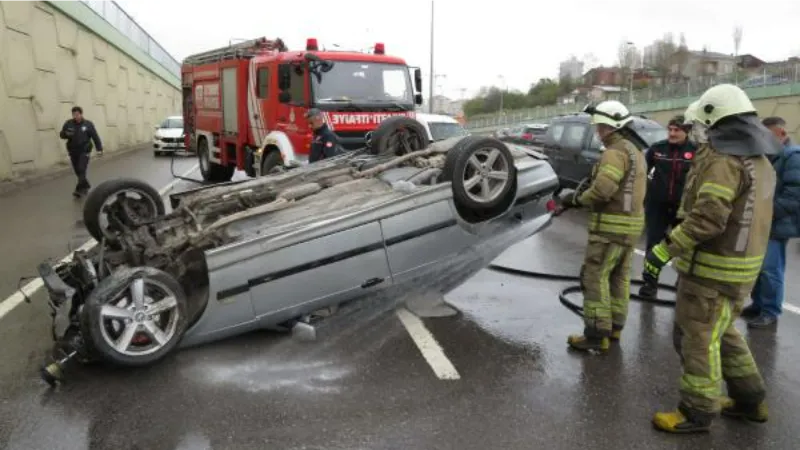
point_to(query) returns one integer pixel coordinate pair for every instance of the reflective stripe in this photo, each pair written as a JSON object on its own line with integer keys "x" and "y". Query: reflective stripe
{"x": 616, "y": 223}
{"x": 711, "y": 386}
{"x": 747, "y": 215}
{"x": 726, "y": 269}
{"x": 613, "y": 172}
{"x": 601, "y": 309}
{"x": 717, "y": 190}
{"x": 680, "y": 238}
{"x": 627, "y": 190}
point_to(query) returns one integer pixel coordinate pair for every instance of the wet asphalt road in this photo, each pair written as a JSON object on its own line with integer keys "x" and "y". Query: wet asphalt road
{"x": 370, "y": 387}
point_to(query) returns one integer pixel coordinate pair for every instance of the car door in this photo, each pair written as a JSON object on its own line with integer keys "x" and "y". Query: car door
{"x": 591, "y": 153}
{"x": 573, "y": 141}
{"x": 552, "y": 146}
{"x": 319, "y": 272}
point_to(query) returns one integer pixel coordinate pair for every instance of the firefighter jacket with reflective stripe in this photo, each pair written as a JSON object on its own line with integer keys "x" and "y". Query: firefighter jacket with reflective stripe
{"x": 700, "y": 154}
{"x": 616, "y": 194}
{"x": 727, "y": 206}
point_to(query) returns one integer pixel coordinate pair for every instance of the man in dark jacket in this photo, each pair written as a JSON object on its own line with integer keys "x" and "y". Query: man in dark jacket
{"x": 767, "y": 294}
{"x": 324, "y": 143}
{"x": 79, "y": 134}
{"x": 668, "y": 162}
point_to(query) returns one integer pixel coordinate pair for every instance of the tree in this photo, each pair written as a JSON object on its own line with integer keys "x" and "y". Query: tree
{"x": 663, "y": 55}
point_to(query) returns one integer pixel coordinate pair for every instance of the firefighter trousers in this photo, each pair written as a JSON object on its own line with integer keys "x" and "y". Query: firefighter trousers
{"x": 711, "y": 350}
{"x": 606, "y": 285}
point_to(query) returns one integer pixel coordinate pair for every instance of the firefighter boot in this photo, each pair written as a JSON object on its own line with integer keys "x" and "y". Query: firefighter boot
{"x": 648, "y": 291}
{"x": 584, "y": 342}
{"x": 616, "y": 333}
{"x": 757, "y": 413}
{"x": 682, "y": 421}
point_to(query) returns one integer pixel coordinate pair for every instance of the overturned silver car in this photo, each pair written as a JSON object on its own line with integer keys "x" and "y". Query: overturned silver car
{"x": 270, "y": 252}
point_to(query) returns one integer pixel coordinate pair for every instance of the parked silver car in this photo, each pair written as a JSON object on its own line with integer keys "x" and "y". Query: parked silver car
{"x": 269, "y": 252}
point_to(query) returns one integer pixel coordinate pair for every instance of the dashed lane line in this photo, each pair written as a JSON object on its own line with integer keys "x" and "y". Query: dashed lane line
{"x": 430, "y": 349}
{"x": 786, "y": 306}
{"x": 15, "y": 299}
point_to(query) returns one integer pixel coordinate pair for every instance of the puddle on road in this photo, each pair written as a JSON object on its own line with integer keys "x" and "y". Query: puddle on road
{"x": 268, "y": 375}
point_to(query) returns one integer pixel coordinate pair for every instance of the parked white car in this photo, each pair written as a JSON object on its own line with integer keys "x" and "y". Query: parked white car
{"x": 441, "y": 127}
{"x": 168, "y": 137}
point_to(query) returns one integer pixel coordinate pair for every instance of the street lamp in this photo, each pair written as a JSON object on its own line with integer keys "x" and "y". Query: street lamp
{"x": 430, "y": 88}
{"x": 631, "y": 48}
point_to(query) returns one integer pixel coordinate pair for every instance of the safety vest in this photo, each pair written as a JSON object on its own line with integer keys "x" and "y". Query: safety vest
{"x": 623, "y": 215}
{"x": 734, "y": 257}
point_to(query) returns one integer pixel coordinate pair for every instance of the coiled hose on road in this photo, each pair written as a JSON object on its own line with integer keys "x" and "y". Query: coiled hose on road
{"x": 562, "y": 296}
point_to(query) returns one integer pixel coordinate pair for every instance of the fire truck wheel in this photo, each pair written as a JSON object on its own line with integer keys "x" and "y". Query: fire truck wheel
{"x": 270, "y": 161}
{"x": 398, "y": 135}
{"x": 211, "y": 171}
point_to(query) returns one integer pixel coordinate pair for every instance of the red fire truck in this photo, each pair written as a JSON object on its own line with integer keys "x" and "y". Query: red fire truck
{"x": 244, "y": 105}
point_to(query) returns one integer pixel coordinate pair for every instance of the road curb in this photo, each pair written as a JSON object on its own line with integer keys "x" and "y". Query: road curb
{"x": 60, "y": 169}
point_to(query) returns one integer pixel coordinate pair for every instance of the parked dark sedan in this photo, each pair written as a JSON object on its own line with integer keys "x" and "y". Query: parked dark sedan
{"x": 573, "y": 147}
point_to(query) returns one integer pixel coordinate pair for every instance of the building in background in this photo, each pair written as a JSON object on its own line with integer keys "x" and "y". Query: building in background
{"x": 571, "y": 69}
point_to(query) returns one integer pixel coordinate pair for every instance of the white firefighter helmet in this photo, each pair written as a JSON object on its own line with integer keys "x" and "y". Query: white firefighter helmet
{"x": 609, "y": 112}
{"x": 690, "y": 115}
{"x": 720, "y": 101}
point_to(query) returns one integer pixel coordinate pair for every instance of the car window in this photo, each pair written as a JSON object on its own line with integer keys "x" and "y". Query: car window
{"x": 554, "y": 133}
{"x": 573, "y": 136}
{"x": 536, "y": 131}
{"x": 444, "y": 130}
{"x": 596, "y": 144}
{"x": 172, "y": 123}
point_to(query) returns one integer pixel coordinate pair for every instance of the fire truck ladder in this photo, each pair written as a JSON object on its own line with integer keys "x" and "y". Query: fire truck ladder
{"x": 246, "y": 49}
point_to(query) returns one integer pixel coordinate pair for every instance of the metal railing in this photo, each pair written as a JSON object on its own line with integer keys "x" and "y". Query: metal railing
{"x": 768, "y": 76}
{"x": 119, "y": 19}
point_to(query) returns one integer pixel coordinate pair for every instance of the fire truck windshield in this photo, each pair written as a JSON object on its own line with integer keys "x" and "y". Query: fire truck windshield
{"x": 364, "y": 83}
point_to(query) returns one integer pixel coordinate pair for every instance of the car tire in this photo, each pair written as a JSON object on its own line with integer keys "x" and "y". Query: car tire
{"x": 388, "y": 139}
{"x": 107, "y": 321}
{"x": 500, "y": 177}
{"x": 148, "y": 207}
{"x": 270, "y": 161}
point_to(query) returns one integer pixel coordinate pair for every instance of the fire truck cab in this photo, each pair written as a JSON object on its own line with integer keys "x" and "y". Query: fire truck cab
{"x": 245, "y": 105}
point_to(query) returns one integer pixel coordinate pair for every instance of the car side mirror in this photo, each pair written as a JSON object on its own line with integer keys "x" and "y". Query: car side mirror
{"x": 418, "y": 80}
{"x": 284, "y": 97}
{"x": 418, "y": 99}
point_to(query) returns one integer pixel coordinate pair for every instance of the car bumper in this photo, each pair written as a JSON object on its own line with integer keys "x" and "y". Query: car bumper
{"x": 170, "y": 147}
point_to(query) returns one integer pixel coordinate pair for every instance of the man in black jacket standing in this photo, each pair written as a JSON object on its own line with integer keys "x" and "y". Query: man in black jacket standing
{"x": 80, "y": 133}
{"x": 668, "y": 162}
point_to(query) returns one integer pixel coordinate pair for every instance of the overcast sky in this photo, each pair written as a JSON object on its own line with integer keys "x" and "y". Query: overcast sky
{"x": 475, "y": 42}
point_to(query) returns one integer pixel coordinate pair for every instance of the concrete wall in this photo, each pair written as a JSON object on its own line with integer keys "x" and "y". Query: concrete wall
{"x": 50, "y": 62}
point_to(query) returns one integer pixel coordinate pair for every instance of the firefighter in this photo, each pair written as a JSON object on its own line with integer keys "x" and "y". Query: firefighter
{"x": 616, "y": 200}
{"x": 718, "y": 250}
{"x": 324, "y": 144}
{"x": 668, "y": 162}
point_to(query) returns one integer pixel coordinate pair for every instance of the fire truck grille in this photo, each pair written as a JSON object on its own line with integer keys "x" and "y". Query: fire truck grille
{"x": 351, "y": 140}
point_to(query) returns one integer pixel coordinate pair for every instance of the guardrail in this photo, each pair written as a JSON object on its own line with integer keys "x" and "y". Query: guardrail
{"x": 122, "y": 22}
{"x": 787, "y": 75}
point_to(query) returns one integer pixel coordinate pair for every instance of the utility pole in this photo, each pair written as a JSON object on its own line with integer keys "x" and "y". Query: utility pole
{"x": 430, "y": 92}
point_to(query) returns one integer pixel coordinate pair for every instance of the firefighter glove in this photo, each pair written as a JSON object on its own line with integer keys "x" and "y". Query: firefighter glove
{"x": 655, "y": 260}
{"x": 571, "y": 200}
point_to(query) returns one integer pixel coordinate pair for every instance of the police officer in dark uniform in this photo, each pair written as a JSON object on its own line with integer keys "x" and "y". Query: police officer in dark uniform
{"x": 80, "y": 134}
{"x": 668, "y": 162}
{"x": 324, "y": 144}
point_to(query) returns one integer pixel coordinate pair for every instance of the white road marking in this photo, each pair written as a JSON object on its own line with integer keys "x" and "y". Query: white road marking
{"x": 430, "y": 349}
{"x": 15, "y": 299}
{"x": 786, "y": 306}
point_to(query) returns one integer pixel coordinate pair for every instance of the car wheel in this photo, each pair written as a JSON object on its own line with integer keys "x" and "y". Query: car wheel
{"x": 482, "y": 173}
{"x": 397, "y": 136}
{"x": 117, "y": 203}
{"x": 134, "y": 317}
